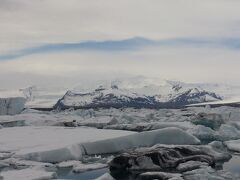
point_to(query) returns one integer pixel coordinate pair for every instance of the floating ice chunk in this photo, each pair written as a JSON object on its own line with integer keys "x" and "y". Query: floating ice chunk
{"x": 228, "y": 132}
{"x": 52, "y": 144}
{"x": 5, "y": 155}
{"x": 11, "y": 122}
{"x": 208, "y": 174}
{"x": 57, "y": 144}
{"x": 203, "y": 133}
{"x": 3, "y": 165}
{"x": 233, "y": 145}
{"x": 68, "y": 164}
{"x": 211, "y": 120}
{"x": 22, "y": 164}
{"x": 161, "y": 175}
{"x": 88, "y": 167}
{"x": 190, "y": 165}
{"x": 11, "y": 106}
{"x": 105, "y": 176}
{"x": 151, "y": 126}
{"x": 28, "y": 174}
{"x": 143, "y": 139}
{"x": 206, "y": 134}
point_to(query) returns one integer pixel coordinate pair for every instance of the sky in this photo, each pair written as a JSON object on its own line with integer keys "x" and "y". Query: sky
{"x": 61, "y": 42}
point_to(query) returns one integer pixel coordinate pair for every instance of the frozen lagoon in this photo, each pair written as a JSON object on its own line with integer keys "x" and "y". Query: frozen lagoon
{"x": 43, "y": 137}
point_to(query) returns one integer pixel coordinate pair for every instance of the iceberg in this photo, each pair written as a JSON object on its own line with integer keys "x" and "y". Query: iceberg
{"x": 12, "y": 105}
{"x": 144, "y": 139}
{"x": 57, "y": 144}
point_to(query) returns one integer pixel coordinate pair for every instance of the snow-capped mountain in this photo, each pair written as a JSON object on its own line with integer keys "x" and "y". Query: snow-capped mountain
{"x": 126, "y": 92}
{"x": 138, "y": 93}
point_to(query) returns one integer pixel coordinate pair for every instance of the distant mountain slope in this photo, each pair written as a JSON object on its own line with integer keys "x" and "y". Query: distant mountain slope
{"x": 138, "y": 93}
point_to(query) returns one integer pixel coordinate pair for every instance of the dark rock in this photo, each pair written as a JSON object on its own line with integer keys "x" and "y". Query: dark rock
{"x": 165, "y": 159}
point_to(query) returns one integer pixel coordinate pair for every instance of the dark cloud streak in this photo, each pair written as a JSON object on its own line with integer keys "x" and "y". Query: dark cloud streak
{"x": 131, "y": 44}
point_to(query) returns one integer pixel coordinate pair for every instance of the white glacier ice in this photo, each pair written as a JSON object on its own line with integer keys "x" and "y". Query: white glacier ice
{"x": 88, "y": 167}
{"x": 233, "y": 145}
{"x": 11, "y": 105}
{"x": 162, "y": 136}
{"x": 56, "y": 144}
{"x": 28, "y": 174}
{"x": 51, "y": 144}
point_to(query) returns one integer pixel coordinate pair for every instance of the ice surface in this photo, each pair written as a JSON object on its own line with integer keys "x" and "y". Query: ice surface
{"x": 56, "y": 144}
{"x": 51, "y": 144}
{"x": 105, "y": 176}
{"x": 150, "y": 138}
{"x": 211, "y": 120}
{"x": 225, "y": 133}
{"x": 161, "y": 175}
{"x": 28, "y": 174}
{"x": 68, "y": 164}
{"x": 34, "y": 150}
{"x": 208, "y": 173}
{"x": 16, "y": 163}
{"x": 203, "y": 133}
{"x": 233, "y": 145}
{"x": 88, "y": 167}
{"x": 190, "y": 165}
{"x": 150, "y": 126}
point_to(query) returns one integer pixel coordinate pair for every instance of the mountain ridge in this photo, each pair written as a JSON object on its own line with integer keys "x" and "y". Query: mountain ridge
{"x": 115, "y": 97}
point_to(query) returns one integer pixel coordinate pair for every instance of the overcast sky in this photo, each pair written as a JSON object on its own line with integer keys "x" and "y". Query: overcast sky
{"x": 64, "y": 41}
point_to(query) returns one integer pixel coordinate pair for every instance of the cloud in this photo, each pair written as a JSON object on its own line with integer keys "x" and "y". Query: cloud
{"x": 131, "y": 44}
{"x": 58, "y": 41}
{"x": 34, "y": 23}
{"x": 185, "y": 64}
{"x": 10, "y": 5}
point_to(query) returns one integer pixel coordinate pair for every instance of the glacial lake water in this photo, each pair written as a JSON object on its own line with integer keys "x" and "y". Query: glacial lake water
{"x": 233, "y": 165}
